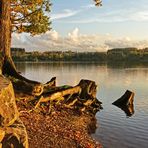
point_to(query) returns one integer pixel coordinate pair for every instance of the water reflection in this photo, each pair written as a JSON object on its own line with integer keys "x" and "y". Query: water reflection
{"x": 128, "y": 110}
{"x": 127, "y": 64}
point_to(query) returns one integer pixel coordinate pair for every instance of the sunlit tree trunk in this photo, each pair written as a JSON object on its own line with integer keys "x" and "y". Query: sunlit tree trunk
{"x": 7, "y": 66}
{"x": 5, "y": 35}
{"x": 5, "y": 27}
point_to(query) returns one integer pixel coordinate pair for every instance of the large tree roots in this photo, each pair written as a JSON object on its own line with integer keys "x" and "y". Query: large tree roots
{"x": 82, "y": 96}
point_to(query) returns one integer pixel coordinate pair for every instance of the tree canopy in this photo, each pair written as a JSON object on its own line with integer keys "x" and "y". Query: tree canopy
{"x": 30, "y": 16}
{"x": 98, "y": 2}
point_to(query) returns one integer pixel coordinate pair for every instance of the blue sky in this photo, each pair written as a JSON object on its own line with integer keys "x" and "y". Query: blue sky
{"x": 79, "y": 25}
{"x": 116, "y": 17}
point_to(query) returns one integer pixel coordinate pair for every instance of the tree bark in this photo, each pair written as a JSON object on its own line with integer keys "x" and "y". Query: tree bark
{"x": 5, "y": 27}
{"x": 5, "y": 33}
{"x": 10, "y": 124}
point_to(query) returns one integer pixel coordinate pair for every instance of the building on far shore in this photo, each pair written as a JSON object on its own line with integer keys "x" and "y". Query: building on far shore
{"x": 17, "y": 51}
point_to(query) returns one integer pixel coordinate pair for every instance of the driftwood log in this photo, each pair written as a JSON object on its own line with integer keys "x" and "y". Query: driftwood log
{"x": 125, "y": 103}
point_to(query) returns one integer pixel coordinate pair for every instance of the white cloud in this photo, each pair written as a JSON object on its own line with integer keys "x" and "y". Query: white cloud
{"x": 74, "y": 35}
{"x": 126, "y": 42}
{"x": 75, "y": 41}
{"x": 110, "y": 12}
{"x": 140, "y": 16}
{"x": 54, "y": 34}
{"x": 88, "y": 6}
{"x": 65, "y": 14}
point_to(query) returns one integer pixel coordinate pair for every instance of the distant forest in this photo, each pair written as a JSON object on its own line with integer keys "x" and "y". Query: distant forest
{"x": 113, "y": 55}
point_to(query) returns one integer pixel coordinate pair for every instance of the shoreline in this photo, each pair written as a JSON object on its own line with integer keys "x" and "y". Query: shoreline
{"x": 61, "y": 128}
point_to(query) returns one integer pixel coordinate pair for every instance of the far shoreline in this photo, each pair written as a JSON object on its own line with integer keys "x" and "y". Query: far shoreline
{"x": 117, "y": 55}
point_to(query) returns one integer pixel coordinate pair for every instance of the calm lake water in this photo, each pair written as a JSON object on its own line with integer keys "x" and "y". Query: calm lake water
{"x": 115, "y": 129}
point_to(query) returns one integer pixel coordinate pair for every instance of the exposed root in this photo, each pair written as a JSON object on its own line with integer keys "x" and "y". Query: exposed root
{"x": 81, "y": 95}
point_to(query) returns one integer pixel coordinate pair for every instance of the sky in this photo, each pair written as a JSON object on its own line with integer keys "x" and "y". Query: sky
{"x": 80, "y": 26}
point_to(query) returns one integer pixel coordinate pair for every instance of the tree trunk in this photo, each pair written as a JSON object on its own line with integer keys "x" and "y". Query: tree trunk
{"x": 5, "y": 31}
{"x": 7, "y": 66}
{"x": 5, "y": 27}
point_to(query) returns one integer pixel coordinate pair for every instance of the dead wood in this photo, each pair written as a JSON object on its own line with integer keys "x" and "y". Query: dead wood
{"x": 125, "y": 100}
{"x": 125, "y": 103}
{"x": 81, "y": 96}
{"x": 61, "y": 93}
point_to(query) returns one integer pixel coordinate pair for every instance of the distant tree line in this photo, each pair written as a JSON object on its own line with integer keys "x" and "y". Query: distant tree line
{"x": 128, "y": 54}
{"x": 21, "y": 55}
{"x": 118, "y": 54}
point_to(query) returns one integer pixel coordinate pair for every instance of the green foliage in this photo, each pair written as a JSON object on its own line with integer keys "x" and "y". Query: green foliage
{"x": 98, "y": 2}
{"x": 58, "y": 56}
{"x": 31, "y": 16}
{"x": 127, "y": 54}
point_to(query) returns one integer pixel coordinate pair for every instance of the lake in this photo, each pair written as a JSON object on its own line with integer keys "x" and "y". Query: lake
{"x": 115, "y": 128}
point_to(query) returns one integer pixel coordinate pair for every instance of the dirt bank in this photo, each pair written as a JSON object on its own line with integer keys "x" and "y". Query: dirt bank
{"x": 62, "y": 128}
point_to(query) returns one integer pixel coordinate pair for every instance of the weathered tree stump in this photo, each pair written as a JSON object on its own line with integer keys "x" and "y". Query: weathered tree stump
{"x": 125, "y": 100}
{"x": 88, "y": 89}
{"x": 10, "y": 124}
{"x": 125, "y": 103}
{"x": 81, "y": 96}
